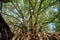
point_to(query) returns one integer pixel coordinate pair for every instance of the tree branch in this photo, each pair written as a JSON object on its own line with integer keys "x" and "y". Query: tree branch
{"x": 20, "y": 11}
{"x": 30, "y": 18}
{"x": 47, "y": 7}
{"x": 36, "y": 19}
{"x": 13, "y": 17}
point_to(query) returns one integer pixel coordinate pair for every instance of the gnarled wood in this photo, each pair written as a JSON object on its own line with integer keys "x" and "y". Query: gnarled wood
{"x": 37, "y": 36}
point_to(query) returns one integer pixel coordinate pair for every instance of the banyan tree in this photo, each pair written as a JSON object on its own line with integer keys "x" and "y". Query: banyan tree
{"x": 22, "y": 33}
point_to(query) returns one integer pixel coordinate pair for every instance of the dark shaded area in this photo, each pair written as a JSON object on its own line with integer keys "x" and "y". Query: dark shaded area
{"x": 59, "y": 0}
{"x": 5, "y": 32}
{"x": 5, "y": 1}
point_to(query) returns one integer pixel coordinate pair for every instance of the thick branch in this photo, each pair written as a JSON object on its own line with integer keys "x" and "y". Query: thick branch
{"x": 20, "y": 11}
{"x": 36, "y": 19}
{"x": 30, "y": 19}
